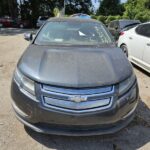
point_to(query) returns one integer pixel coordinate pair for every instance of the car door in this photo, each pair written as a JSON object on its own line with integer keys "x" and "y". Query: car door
{"x": 136, "y": 44}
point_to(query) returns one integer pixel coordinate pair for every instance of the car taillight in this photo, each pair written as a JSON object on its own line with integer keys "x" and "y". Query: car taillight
{"x": 121, "y": 33}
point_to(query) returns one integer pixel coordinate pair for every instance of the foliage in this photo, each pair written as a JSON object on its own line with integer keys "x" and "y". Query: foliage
{"x": 78, "y": 6}
{"x": 109, "y": 9}
{"x": 112, "y": 7}
{"x": 31, "y": 9}
{"x": 138, "y": 9}
{"x": 9, "y": 8}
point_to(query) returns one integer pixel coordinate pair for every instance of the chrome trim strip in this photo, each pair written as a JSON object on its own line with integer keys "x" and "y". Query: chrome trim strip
{"x": 80, "y": 111}
{"x": 71, "y": 91}
{"x": 60, "y": 100}
{"x": 76, "y": 106}
{"x": 65, "y": 96}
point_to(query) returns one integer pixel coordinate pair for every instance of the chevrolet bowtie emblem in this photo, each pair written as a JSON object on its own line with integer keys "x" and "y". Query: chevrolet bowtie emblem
{"x": 78, "y": 98}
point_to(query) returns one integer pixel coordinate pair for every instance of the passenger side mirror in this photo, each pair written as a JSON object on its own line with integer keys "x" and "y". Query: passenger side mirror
{"x": 28, "y": 36}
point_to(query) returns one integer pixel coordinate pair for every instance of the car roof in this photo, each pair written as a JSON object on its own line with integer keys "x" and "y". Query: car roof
{"x": 73, "y": 19}
{"x": 146, "y": 23}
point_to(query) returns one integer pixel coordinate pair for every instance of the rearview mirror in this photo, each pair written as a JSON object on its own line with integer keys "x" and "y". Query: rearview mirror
{"x": 28, "y": 36}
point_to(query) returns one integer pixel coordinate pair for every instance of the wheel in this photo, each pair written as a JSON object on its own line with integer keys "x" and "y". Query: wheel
{"x": 124, "y": 49}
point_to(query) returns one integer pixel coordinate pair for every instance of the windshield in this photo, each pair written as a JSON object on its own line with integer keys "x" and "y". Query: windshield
{"x": 73, "y": 33}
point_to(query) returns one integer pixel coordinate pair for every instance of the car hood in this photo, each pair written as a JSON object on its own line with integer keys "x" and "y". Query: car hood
{"x": 75, "y": 67}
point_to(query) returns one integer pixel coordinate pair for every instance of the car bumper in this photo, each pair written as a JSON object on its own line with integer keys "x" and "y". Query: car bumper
{"x": 45, "y": 120}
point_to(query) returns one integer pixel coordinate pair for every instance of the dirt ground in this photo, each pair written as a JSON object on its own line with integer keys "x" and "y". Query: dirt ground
{"x": 13, "y": 135}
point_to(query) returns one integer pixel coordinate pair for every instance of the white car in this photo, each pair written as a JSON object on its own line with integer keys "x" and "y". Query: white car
{"x": 135, "y": 43}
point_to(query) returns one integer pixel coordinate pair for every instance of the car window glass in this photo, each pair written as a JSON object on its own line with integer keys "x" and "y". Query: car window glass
{"x": 143, "y": 30}
{"x": 73, "y": 33}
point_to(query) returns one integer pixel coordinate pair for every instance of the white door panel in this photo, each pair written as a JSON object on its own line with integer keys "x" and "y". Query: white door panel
{"x": 136, "y": 45}
{"x": 146, "y": 56}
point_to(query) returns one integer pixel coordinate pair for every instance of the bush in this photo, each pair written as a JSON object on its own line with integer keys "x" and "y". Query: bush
{"x": 94, "y": 17}
{"x": 143, "y": 16}
{"x": 102, "y": 19}
{"x": 110, "y": 18}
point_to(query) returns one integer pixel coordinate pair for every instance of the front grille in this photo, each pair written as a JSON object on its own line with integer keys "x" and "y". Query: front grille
{"x": 92, "y": 99}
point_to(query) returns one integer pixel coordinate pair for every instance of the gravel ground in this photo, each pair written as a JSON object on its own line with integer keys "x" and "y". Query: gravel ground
{"x": 14, "y": 136}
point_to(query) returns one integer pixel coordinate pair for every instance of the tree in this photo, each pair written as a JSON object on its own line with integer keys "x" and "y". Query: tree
{"x": 78, "y": 6}
{"x": 138, "y": 9}
{"x": 110, "y": 7}
{"x": 32, "y": 9}
{"x": 9, "y": 8}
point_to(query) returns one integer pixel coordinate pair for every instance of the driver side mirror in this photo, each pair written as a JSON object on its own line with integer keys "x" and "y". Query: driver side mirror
{"x": 28, "y": 36}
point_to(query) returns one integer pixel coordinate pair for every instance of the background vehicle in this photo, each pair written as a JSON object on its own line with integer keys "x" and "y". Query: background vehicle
{"x": 116, "y": 26}
{"x": 67, "y": 81}
{"x": 41, "y": 20}
{"x": 16, "y": 22}
{"x": 6, "y": 21}
{"x": 136, "y": 45}
{"x": 80, "y": 15}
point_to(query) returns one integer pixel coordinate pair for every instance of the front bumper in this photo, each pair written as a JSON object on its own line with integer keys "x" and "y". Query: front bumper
{"x": 33, "y": 114}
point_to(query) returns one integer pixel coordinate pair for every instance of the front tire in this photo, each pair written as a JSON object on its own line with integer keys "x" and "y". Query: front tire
{"x": 124, "y": 49}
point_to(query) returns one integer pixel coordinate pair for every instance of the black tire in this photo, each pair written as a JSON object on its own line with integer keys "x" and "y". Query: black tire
{"x": 124, "y": 49}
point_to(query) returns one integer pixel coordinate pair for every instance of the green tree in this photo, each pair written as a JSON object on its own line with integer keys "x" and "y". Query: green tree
{"x": 9, "y": 7}
{"x": 78, "y": 6}
{"x": 138, "y": 9}
{"x": 110, "y": 7}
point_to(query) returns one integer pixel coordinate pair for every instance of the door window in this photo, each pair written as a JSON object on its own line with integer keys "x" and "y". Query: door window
{"x": 143, "y": 30}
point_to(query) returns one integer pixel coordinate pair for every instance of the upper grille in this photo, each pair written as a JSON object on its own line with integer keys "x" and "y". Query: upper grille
{"x": 60, "y": 98}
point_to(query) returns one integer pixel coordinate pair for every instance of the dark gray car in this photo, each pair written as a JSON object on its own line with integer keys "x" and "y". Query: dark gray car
{"x": 73, "y": 80}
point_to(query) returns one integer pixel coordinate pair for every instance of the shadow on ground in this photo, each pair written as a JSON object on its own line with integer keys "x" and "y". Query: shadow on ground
{"x": 135, "y": 136}
{"x": 141, "y": 70}
{"x": 14, "y": 31}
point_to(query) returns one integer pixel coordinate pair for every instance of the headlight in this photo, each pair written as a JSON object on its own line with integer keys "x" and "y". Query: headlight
{"x": 24, "y": 82}
{"x": 125, "y": 85}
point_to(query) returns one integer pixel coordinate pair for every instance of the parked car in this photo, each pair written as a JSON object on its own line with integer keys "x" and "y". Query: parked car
{"x": 41, "y": 20}
{"x": 116, "y": 26}
{"x": 24, "y": 24}
{"x": 80, "y": 15}
{"x": 67, "y": 82}
{"x": 6, "y": 21}
{"x": 136, "y": 45}
{"x": 16, "y": 22}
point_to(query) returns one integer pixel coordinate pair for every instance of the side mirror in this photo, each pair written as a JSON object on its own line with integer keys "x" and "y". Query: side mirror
{"x": 28, "y": 36}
